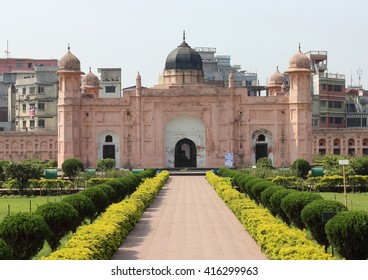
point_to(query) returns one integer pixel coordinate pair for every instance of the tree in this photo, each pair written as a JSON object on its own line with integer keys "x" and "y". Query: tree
{"x": 301, "y": 167}
{"x": 2, "y": 171}
{"x": 82, "y": 204}
{"x": 25, "y": 234}
{"x": 61, "y": 217}
{"x": 71, "y": 167}
{"x": 22, "y": 172}
{"x": 312, "y": 216}
{"x": 360, "y": 165}
{"x": 98, "y": 197}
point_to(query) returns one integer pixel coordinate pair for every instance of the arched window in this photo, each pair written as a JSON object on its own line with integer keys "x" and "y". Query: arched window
{"x": 108, "y": 139}
{"x": 261, "y": 138}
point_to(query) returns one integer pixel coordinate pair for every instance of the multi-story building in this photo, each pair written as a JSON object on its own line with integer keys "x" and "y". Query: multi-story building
{"x": 110, "y": 82}
{"x": 35, "y": 104}
{"x": 8, "y": 69}
{"x": 217, "y": 69}
{"x": 328, "y": 93}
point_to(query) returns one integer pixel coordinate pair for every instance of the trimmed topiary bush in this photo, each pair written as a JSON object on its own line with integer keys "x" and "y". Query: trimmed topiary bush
{"x": 294, "y": 203}
{"x": 82, "y": 204}
{"x": 105, "y": 164}
{"x": 25, "y": 234}
{"x": 71, "y": 167}
{"x": 119, "y": 188}
{"x": 265, "y": 163}
{"x": 301, "y": 167}
{"x": 61, "y": 217}
{"x": 360, "y": 165}
{"x": 348, "y": 233}
{"x": 275, "y": 202}
{"x": 312, "y": 218}
{"x": 249, "y": 184}
{"x": 98, "y": 197}
{"x": 5, "y": 251}
{"x": 109, "y": 191}
{"x": 266, "y": 196}
{"x": 258, "y": 188}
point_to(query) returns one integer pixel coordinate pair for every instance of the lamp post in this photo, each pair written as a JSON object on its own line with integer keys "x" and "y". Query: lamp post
{"x": 344, "y": 162}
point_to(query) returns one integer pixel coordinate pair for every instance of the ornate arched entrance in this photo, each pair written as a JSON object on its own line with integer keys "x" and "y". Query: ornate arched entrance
{"x": 185, "y": 153}
{"x": 188, "y": 134}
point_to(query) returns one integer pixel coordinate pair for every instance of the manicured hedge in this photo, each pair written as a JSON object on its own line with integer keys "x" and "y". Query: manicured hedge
{"x": 5, "y": 251}
{"x": 275, "y": 202}
{"x": 266, "y": 196}
{"x": 101, "y": 239}
{"x": 25, "y": 234}
{"x": 276, "y": 239}
{"x": 82, "y": 204}
{"x": 294, "y": 203}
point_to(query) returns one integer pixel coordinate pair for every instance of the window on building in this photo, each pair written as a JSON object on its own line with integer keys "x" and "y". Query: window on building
{"x": 30, "y": 65}
{"x": 337, "y": 88}
{"x": 337, "y": 104}
{"x": 336, "y": 151}
{"x": 24, "y": 124}
{"x": 365, "y": 151}
{"x": 31, "y": 123}
{"x": 331, "y": 120}
{"x": 41, "y": 106}
{"x": 338, "y": 120}
{"x": 41, "y": 90}
{"x": 108, "y": 139}
{"x": 323, "y": 87}
{"x": 314, "y": 122}
{"x": 41, "y": 123}
{"x": 351, "y": 152}
{"x": 24, "y": 107}
{"x": 350, "y": 108}
{"x": 261, "y": 138}
{"x": 330, "y": 104}
{"x": 19, "y": 64}
{"x": 32, "y": 90}
{"x": 364, "y": 122}
{"x": 322, "y": 151}
{"x": 354, "y": 122}
{"x": 330, "y": 87}
{"x": 323, "y": 119}
{"x": 23, "y": 90}
{"x": 110, "y": 89}
{"x": 323, "y": 103}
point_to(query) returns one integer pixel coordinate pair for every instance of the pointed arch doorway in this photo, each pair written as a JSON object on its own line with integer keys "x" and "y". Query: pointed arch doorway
{"x": 185, "y": 153}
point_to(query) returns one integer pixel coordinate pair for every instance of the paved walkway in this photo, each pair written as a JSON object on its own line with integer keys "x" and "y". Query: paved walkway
{"x": 187, "y": 220}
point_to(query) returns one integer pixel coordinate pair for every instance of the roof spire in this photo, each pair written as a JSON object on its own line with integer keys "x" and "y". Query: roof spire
{"x": 68, "y": 46}
{"x": 299, "y": 47}
{"x": 184, "y": 35}
{"x": 277, "y": 68}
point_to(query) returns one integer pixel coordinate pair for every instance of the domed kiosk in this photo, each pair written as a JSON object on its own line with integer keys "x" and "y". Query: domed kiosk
{"x": 183, "y": 66}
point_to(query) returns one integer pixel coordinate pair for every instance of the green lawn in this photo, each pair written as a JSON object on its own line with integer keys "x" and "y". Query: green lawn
{"x": 356, "y": 201}
{"x": 23, "y": 204}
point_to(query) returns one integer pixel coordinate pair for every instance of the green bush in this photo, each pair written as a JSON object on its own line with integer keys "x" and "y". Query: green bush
{"x": 286, "y": 181}
{"x": 82, "y": 204}
{"x": 348, "y": 233}
{"x": 266, "y": 196}
{"x": 25, "y": 234}
{"x": 119, "y": 188}
{"x": 360, "y": 165}
{"x": 109, "y": 191}
{"x": 105, "y": 164}
{"x": 247, "y": 186}
{"x": 275, "y": 202}
{"x": 5, "y": 251}
{"x": 61, "y": 217}
{"x": 98, "y": 197}
{"x": 71, "y": 167}
{"x": 312, "y": 218}
{"x": 301, "y": 167}
{"x": 294, "y": 203}
{"x": 258, "y": 188}
{"x": 96, "y": 181}
{"x": 264, "y": 162}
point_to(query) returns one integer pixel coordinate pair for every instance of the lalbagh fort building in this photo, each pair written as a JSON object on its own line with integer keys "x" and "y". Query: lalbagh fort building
{"x": 183, "y": 121}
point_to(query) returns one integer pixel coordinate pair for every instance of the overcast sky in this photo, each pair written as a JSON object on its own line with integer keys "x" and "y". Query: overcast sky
{"x": 137, "y": 35}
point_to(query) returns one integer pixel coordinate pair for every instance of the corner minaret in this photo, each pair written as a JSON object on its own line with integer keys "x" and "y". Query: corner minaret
{"x": 69, "y": 101}
{"x": 300, "y": 107}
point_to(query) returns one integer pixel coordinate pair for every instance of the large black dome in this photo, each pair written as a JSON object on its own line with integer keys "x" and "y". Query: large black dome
{"x": 184, "y": 58}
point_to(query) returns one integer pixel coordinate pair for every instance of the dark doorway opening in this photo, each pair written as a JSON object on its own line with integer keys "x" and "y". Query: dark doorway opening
{"x": 108, "y": 151}
{"x": 185, "y": 153}
{"x": 261, "y": 150}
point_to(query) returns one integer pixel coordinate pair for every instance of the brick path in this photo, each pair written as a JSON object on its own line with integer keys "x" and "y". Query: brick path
{"x": 187, "y": 220}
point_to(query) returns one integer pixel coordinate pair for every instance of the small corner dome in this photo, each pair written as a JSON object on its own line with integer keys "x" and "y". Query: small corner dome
{"x": 90, "y": 80}
{"x": 276, "y": 78}
{"x": 184, "y": 58}
{"x": 300, "y": 61}
{"x": 69, "y": 62}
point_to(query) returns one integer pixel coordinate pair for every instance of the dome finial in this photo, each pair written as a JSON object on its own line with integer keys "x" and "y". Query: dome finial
{"x": 68, "y": 46}
{"x": 184, "y": 35}
{"x": 299, "y": 47}
{"x": 277, "y": 68}
{"x": 90, "y": 69}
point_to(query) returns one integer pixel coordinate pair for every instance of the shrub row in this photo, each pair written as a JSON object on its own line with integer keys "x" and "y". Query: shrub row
{"x": 276, "y": 239}
{"x": 334, "y": 183}
{"x": 347, "y": 231}
{"x": 101, "y": 239}
{"x": 24, "y": 233}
